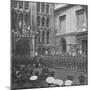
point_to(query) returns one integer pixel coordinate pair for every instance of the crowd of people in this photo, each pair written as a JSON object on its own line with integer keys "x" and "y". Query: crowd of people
{"x": 23, "y": 71}
{"x": 46, "y": 78}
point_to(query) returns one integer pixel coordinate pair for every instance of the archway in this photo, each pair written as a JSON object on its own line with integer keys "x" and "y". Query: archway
{"x": 23, "y": 47}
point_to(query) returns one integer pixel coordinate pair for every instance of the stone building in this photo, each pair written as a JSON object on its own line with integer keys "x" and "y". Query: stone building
{"x": 71, "y": 26}
{"x": 45, "y": 26}
{"x": 23, "y": 27}
{"x": 32, "y": 22}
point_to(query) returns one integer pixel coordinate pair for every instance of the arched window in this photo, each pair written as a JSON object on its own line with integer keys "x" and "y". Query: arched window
{"x": 38, "y": 6}
{"x": 26, "y": 18}
{"x": 47, "y": 22}
{"x": 21, "y": 4}
{"x": 26, "y": 5}
{"x": 43, "y": 7}
{"x": 38, "y": 20}
{"x": 43, "y": 35}
{"x": 63, "y": 44}
{"x": 39, "y": 37}
{"x": 43, "y": 21}
{"x": 47, "y": 37}
{"x": 62, "y": 24}
{"x": 47, "y": 8}
{"x": 80, "y": 19}
{"x": 14, "y": 4}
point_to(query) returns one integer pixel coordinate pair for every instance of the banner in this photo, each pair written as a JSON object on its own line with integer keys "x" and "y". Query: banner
{"x": 20, "y": 22}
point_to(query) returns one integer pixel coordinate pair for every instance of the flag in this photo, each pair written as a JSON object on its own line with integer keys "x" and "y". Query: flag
{"x": 20, "y": 22}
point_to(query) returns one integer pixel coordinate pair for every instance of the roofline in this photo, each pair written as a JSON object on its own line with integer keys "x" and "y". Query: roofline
{"x": 68, "y": 6}
{"x": 64, "y": 7}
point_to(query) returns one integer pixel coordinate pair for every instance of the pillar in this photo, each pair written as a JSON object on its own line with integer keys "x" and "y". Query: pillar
{"x": 32, "y": 41}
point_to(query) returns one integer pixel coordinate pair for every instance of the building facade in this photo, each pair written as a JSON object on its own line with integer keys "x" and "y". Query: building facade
{"x": 23, "y": 27}
{"x": 71, "y": 26}
{"x": 45, "y": 26}
{"x": 34, "y": 22}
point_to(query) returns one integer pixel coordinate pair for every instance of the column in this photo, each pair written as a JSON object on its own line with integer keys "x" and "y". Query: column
{"x": 33, "y": 45}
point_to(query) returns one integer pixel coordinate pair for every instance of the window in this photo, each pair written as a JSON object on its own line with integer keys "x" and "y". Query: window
{"x": 38, "y": 6}
{"x": 43, "y": 21}
{"x": 80, "y": 19}
{"x": 26, "y": 18}
{"x": 47, "y": 37}
{"x": 43, "y": 35}
{"x": 40, "y": 36}
{"x": 14, "y": 4}
{"x": 21, "y": 4}
{"x": 47, "y": 22}
{"x": 47, "y": 8}
{"x": 43, "y": 7}
{"x": 39, "y": 40}
{"x": 62, "y": 24}
{"x": 38, "y": 20}
{"x": 26, "y": 5}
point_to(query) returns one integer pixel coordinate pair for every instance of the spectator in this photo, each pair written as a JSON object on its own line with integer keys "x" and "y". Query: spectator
{"x": 37, "y": 73}
{"x": 44, "y": 74}
{"x": 58, "y": 82}
{"x": 81, "y": 79}
{"x": 52, "y": 73}
{"x": 68, "y": 82}
{"x": 70, "y": 78}
{"x": 35, "y": 76}
{"x": 50, "y": 79}
{"x": 45, "y": 70}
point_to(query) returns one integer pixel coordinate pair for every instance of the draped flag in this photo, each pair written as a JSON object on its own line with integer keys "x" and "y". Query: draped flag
{"x": 20, "y": 22}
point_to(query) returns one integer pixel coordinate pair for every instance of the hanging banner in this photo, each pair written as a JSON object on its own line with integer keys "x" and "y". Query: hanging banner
{"x": 20, "y": 22}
